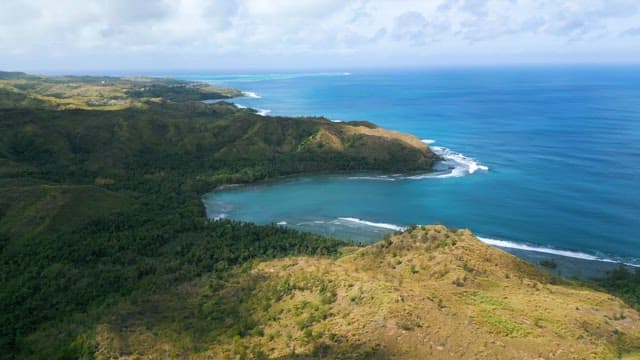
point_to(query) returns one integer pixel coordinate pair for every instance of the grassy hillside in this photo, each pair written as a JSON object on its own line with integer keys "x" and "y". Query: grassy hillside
{"x": 100, "y": 92}
{"x": 429, "y": 293}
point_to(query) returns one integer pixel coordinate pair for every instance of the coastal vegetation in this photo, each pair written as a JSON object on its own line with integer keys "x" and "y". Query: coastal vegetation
{"x": 429, "y": 292}
{"x": 106, "y": 251}
{"x": 100, "y": 204}
{"x": 624, "y": 283}
{"x": 100, "y": 92}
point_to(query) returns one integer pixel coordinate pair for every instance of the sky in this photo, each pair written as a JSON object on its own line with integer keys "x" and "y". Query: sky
{"x": 192, "y": 35}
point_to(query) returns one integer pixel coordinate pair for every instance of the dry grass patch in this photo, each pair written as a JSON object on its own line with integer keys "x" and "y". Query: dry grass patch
{"x": 398, "y": 299}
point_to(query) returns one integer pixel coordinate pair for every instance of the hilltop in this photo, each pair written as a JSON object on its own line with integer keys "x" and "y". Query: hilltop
{"x": 427, "y": 293}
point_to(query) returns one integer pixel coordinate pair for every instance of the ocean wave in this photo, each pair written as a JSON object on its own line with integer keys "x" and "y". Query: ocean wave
{"x": 368, "y": 223}
{"x": 261, "y": 112}
{"x": 281, "y": 223}
{"x": 566, "y": 253}
{"x": 497, "y": 243}
{"x": 251, "y": 94}
{"x": 453, "y": 164}
{"x": 375, "y": 178}
{"x": 428, "y": 141}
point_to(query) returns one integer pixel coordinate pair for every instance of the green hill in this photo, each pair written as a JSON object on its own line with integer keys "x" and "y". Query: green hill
{"x": 100, "y": 190}
{"x": 429, "y": 293}
{"x": 197, "y": 140}
{"x": 106, "y": 251}
{"x": 100, "y": 92}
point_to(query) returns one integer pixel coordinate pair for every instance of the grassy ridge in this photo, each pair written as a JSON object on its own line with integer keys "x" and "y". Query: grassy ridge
{"x": 427, "y": 293}
{"x": 100, "y": 92}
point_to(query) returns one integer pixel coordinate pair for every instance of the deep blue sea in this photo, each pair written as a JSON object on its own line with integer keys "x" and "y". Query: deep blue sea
{"x": 541, "y": 159}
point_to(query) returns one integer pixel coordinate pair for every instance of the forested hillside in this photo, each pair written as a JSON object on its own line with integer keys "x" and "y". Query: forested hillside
{"x": 100, "y": 185}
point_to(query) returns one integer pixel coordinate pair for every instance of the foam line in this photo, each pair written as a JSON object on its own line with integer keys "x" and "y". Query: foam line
{"x": 251, "y": 94}
{"x": 374, "y": 224}
{"x": 498, "y": 243}
{"x": 453, "y": 164}
{"x": 462, "y": 165}
{"x": 377, "y": 178}
{"x": 566, "y": 253}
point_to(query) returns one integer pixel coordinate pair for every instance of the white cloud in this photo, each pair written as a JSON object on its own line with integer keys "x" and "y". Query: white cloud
{"x": 411, "y": 26}
{"x": 293, "y": 8}
{"x": 226, "y": 33}
{"x": 632, "y": 32}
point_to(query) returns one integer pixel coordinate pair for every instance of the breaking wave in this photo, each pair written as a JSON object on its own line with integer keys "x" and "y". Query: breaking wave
{"x": 352, "y": 221}
{"x": 452, "y": 164}
{"x": 342, "y": 220}
{"x": 566, "y": 253}
{"x": 377, "y": 178}
{"x": 251, "y": 94}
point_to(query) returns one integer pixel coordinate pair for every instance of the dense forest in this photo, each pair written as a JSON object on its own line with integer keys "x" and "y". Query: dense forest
{"x": 102, "y": 205}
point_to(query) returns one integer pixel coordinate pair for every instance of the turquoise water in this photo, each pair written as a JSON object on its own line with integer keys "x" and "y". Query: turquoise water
{"x": 544, "y": 159}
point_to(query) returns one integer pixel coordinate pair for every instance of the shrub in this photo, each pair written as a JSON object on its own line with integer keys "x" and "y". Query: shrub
{"x": 549, "y": 263}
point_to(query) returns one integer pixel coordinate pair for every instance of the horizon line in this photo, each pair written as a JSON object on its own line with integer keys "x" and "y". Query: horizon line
{"x": 313, "y": 69}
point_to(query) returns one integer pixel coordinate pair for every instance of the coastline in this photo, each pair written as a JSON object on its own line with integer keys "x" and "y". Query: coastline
{"x": 569, "y": 267}
{"x": 362, "y": 232}
{"x": 567, "y": 263}
{"x": 135, "y": 239}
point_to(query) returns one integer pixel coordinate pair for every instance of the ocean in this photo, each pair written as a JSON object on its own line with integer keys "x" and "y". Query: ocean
{"x": 540, "y": 161}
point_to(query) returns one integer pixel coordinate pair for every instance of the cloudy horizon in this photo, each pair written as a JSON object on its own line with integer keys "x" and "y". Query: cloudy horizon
{"x": 227, "y": 35}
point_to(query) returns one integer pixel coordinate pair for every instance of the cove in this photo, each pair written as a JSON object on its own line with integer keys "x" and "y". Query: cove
{"x": 555, "y": 153}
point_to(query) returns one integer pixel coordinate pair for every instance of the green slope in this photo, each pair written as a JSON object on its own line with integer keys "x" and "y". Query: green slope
{"x": 31, "y": 208}
{"x": 100, "y": 190}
